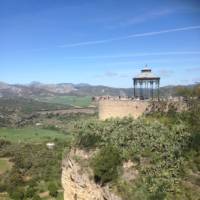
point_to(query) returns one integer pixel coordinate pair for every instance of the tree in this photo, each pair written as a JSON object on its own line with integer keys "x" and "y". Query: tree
{"x": 53, "y": 189}
{"x": 16, "y": 178}
{"x": 17, "y": 194}
{"x": 30, "y": 192}
{"x": 36, "y": 197}
{"x": 105, "y": 164}
{"x": 2, "y": 187}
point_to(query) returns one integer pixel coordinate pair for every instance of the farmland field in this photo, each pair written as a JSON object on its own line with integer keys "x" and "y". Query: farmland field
{"x": 67, "y": 100}
{"x": 30, "y": 134}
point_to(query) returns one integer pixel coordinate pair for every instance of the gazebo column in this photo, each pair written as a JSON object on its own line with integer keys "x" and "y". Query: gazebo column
{"x": 147, "y": 89}
{"x": 135, "y": 88}
{"x": 148, "y": 82}
{"x": 158, "y": 89}
{"x": 141, "y": 89}
{"x": 151, "y": 83}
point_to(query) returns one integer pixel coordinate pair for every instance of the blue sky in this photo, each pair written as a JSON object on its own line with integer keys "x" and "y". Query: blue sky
{"x": 103, "y": 42}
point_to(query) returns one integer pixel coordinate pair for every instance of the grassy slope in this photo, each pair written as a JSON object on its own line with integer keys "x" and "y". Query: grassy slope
{"x": 67, "y": 100}
{"x": 30, "y": 134}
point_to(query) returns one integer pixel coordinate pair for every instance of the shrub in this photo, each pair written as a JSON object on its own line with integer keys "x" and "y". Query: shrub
{"x": 53, "y": 189}
{"x": 30, "y": 192}
{"x": 16, "y": 178}
{"x": 17, "y": 194}
{"x": 89, "y": 141}
{"x": 4, "y": 143}
{"x": 2, "y": 187}
{"x": 36, "y": 197}
{"x": 105, "y": 164}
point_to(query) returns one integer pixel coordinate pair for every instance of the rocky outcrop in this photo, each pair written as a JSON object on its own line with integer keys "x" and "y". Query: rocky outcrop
{"x": 166, "y": 106}
{"x": 77, "y": 183}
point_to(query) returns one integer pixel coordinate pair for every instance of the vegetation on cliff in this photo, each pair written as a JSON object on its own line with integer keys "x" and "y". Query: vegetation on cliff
{"x": 164, "y": 146}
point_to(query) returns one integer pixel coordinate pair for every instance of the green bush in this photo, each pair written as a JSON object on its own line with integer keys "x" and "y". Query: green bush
{"x": 16, "y": 178}
{"x": 53, "y": 189}
{"x": 36, "y": 197}
{"x": 17, "y": 194}
{"x": 89, "y": 141}
{"x": 105, "y": 164}
{"x": 30, "y": 192}
{"x": 2, "y": 187}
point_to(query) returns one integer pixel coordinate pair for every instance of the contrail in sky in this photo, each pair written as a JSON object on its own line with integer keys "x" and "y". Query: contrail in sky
{"x": 138, "y": 55}
{"x": 130, "y": 36}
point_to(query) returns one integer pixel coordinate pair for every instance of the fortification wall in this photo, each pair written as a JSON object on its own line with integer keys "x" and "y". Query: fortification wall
{"x": 121, "y": 108}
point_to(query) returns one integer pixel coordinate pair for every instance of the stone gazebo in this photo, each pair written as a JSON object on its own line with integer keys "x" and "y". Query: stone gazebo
{"x": 146, "y": 85}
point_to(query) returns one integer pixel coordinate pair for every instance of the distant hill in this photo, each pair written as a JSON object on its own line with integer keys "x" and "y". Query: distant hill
{"x": 36, "y": 89}
{"x": 39, "y": 89}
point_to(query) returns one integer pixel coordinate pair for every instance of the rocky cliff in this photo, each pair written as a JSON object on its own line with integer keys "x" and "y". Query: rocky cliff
{"x": 77, "y": 182}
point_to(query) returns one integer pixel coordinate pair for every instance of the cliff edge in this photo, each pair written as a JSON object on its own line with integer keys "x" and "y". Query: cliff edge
{"x": 78, "y": 183}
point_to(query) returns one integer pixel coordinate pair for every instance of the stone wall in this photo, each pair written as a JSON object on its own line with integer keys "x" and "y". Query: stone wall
{"x": 121, "y": 108}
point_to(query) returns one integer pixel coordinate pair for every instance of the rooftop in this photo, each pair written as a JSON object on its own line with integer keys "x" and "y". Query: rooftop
{"x": 146, "y": 73}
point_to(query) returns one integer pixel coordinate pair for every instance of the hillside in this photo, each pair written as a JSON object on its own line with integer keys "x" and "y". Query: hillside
{"x": 18, "y": 109}
{"x": 39, "y": 89}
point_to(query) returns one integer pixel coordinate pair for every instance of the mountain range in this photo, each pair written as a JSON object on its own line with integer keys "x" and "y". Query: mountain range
{"x": 40, "y": 89}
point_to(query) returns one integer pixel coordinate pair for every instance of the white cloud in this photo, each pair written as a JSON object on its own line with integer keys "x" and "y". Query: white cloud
{"x": 113, "y": 74}
{"x": 193, "y": 69}
{"x": 165, "y": 73}
{"x": 146, "y": 16}
{"x": 196, "y": 80}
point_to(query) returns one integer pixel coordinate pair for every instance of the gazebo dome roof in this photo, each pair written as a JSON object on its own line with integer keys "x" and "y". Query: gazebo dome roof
{"x": 146, "y": 73}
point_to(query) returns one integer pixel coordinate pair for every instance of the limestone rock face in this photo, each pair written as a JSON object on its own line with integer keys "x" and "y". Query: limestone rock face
{"x": 78, "y": 185}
